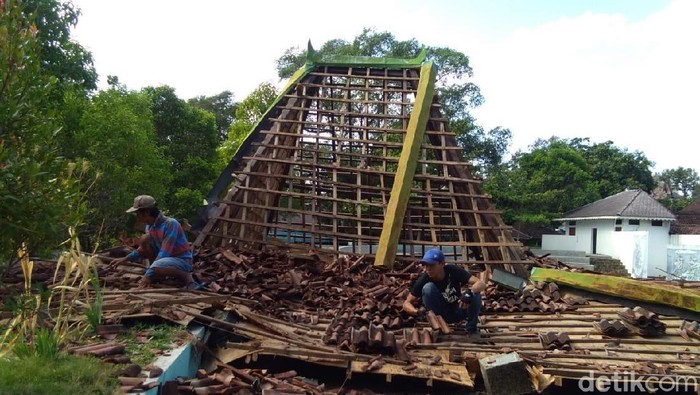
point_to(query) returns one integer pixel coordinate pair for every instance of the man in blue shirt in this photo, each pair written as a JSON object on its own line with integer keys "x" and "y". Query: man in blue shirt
{"x": 439, "y": 288}
{"x": 165, "y": 245}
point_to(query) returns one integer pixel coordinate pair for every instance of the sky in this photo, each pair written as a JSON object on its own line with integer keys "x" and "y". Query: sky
{"x": 626, "y": 71}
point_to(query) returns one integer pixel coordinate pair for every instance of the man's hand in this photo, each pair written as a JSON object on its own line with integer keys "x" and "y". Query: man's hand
{"x": 421, "y": 312}
{"x": 144, "y": 282}
{"x": 466, "y": 299}
{"x": 118, "y": 261}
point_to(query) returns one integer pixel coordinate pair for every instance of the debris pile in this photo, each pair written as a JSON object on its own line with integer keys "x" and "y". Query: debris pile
{"x": 536, "y": 296}
{"x": 230, "y": 380}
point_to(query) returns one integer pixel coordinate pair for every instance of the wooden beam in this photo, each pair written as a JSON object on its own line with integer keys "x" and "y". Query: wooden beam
{"x": 622, "y": 287}
{"x": 400, "y": 191}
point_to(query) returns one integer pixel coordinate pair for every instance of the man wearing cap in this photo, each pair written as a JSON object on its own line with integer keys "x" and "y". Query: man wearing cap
{"x": 439, "y": 288}
{"x": 164, "y": 243}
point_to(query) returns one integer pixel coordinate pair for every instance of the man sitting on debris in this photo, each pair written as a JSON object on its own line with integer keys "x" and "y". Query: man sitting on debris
{"x": 164, "y": 245}
{"x": 439, "y": 288}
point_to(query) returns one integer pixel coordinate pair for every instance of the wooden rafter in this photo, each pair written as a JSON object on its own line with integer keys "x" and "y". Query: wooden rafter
{"x": 322, "y": 174}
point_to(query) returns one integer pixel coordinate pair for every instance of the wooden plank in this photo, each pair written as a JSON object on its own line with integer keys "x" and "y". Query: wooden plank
{"x": 622, "y": 287}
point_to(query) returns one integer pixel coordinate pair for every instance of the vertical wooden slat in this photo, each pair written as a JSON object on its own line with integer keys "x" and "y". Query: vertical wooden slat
{"x": 401, "y": 189}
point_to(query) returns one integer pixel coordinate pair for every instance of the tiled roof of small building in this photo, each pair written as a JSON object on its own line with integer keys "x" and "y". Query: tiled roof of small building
{"x": 628, "y": 204}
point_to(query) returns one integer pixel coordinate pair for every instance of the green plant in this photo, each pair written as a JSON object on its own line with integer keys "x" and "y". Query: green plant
{"x": 142, "y": 339}
{"x": 62, "y": 374}
{"x": 93, "y": 312}
{"x": 45, "y": 343}
{"x": 23, "y": 325}
{"x": 70, "y": 306}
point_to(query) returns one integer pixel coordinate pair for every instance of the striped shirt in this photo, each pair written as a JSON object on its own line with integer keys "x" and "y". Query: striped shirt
{"x": 168, "y": 239}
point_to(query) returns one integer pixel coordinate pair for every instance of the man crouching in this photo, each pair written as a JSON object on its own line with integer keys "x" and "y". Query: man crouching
{"x": 165, "y": 242}
{"x": 439, "y": 288}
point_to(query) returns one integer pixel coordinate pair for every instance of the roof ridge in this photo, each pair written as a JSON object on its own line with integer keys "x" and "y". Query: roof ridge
{"x": 630, "y": 202}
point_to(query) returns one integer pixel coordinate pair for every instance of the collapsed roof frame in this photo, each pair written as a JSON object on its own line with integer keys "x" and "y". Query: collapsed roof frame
{"x": 354, "y": 156}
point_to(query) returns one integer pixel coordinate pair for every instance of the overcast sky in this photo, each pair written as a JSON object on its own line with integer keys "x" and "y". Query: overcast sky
{"x": 621, "y": 70}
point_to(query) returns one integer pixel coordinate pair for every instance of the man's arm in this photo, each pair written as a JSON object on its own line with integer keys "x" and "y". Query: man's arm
{"x": 476, "y": 285}
{"x": 409, "y": 305}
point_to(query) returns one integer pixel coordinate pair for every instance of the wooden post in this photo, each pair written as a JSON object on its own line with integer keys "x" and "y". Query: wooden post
{"x": 401, "y": 190}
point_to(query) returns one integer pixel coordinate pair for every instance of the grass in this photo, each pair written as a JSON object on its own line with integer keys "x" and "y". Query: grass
{"x": 145, "y": 341}
{"x": 62, "y": 374}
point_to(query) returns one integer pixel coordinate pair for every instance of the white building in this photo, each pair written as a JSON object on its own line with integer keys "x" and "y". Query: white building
{"x": 630, "y": 226}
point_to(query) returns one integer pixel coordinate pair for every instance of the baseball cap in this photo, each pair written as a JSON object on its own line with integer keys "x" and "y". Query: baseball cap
{"x": 433, "y": 256}
{"x": 142, "y": 201}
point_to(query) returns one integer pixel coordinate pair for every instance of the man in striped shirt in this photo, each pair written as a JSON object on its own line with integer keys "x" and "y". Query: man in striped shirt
{"x": 164, "y": 245}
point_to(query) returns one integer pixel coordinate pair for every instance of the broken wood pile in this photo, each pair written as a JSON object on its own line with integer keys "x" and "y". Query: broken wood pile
{"x": 227, "y": 379}
{"x": 302, "y": 289}
{"x": 355, "y": 308}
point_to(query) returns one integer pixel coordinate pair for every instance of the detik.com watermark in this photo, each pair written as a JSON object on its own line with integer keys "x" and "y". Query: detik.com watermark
{"x": 633, "y": 382}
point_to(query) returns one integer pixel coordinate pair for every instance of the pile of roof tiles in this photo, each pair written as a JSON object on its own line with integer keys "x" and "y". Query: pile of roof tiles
{"x": 230, "y": 380}
{"x": 362, "y": 302}
{"x": 642, "y": 321}
{"x": 611, "y": 327}
{"x": 689, "y": 329}
{"x": 555, "y": 341}
{"x": 536, "y": 296}
{"x": 276, "y": 280}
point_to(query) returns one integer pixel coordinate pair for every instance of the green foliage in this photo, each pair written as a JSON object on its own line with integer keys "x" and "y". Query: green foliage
{"x": 543, "y": 184}
{"x": 248, "y": 113}
{"x": 223, "y": 108}
{"x": 188, "y": 137}
{"x": 93, "y": 310}
{"x": 184, "y": 201}
{"x": 46, "y": 343}
{"x": 680, "y": 182}
{"x": 39, "y": 190}
{"x": 614, "y": 169}
{"x": 62, "y": 374}
{"x": 117, "y": 136}
{"x": 27, "y": 333}
{"x": 142, "y": 340}
{"x": 61, "y": 57}
{"x": 456, "y": 92}
{"x": 679, "y": 187}
{"x": 559, "y": 175}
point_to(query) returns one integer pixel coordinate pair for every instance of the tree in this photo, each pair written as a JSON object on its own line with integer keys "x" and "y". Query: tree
{"x": 543, "y": 184}
{"x": 248, "y": 113}
{"x": 117, "y": 136}
{"x": 39, "y": 190}
{"x": 559, "y": 175}
{"x": 680, "y": 186}
{"x": 222, "y": 106}
{"x": 614, "y": 169}
{"x": 61, "y": 57}
{"x": 457, "y": 93}
{"x": 188, "y": 137}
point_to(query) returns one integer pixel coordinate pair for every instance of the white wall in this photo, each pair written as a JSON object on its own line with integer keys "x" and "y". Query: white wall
{"x": 685, "y": 240}
{"x": 641, "y": 248}
{"x": 684, "y": 262}
{"x": 559, "y": 242}
{"x": 632, "y": 248}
